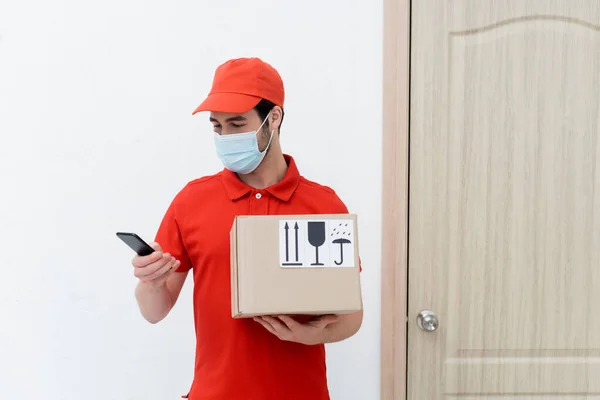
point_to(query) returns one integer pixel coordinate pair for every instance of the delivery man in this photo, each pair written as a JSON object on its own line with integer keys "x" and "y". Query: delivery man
{"x": 265, "y": 358}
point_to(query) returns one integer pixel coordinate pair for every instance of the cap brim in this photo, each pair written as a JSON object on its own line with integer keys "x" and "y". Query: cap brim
{"x": 228, "y": 102}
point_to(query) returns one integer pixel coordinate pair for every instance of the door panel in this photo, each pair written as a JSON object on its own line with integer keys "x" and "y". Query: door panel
{"x": 504, "y": 215}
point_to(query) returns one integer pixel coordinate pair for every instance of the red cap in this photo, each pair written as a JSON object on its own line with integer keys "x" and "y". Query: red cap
{"x": 240, "y": 84}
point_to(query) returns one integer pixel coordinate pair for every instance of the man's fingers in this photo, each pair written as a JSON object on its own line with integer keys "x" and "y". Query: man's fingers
{"x": 153, "y": 267}
{"x": 290, "y": 322}
{"x": 176, "y": 265}
{"x": 279, "y": 326}
{"x": 168, "y": 267}
{"x": 267, "y": 326}
{"x": 325, "y": 320}
{"x": 155, "y": 246}
{"x": 145, "y": 261}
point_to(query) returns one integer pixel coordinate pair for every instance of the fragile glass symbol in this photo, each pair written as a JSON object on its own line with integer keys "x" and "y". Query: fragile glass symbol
{"x": 316, "y": 237}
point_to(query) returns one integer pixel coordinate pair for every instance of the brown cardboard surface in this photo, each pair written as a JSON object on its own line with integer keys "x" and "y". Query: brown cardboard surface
{"x": 261, "y": 286}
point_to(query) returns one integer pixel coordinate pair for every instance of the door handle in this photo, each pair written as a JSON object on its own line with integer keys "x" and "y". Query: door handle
{"x": 427, "y": 321}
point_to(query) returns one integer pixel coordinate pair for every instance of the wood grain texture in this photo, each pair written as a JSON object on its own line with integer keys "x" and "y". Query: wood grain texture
{"x": 395, "y": 198}
{"x": 504, "y": 222}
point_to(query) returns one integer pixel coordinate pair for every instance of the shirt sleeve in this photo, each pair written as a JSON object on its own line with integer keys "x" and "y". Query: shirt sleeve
{"x": 170, "y": 239}
{"x": 338, "y": 207}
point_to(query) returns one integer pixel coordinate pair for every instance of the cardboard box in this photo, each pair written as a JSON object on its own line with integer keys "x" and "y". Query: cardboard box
{"x": 274, "y": 266}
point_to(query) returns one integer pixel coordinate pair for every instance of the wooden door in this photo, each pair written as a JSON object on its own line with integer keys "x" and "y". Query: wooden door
{"x": 504, "y": 199}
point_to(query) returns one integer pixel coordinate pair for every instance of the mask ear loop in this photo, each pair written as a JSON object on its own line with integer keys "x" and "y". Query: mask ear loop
{"x": 272, "y": 131}
{"x": 265, "y": 120}
{"x": 269, "y": 144}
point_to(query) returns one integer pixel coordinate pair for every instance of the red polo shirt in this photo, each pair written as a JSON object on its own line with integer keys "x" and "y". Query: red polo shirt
{"x": 238, "y": 359}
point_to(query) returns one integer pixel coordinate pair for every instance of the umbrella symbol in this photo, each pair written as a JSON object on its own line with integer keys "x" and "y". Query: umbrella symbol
{"x": 341, "y": 241}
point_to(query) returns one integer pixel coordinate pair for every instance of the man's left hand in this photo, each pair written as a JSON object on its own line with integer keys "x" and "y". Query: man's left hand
{"x": 288, "y": 329}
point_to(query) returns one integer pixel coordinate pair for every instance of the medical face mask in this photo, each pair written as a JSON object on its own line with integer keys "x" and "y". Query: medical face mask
{"x": 239, "y": 151}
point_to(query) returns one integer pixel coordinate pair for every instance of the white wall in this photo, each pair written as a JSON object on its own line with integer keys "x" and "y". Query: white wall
{"x": 97, "y": 136}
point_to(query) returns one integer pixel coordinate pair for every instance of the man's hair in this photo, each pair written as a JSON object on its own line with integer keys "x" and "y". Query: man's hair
{"x": 264, "y": 107}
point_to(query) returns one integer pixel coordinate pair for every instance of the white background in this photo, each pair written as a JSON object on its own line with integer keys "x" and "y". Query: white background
{"x": 97, "y": 136}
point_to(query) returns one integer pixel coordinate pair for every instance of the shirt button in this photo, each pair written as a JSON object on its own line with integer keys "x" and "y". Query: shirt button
{"x": 258, "y": 195}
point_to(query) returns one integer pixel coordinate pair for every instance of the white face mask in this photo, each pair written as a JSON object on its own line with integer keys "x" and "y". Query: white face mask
{"x": 239, "y": 151}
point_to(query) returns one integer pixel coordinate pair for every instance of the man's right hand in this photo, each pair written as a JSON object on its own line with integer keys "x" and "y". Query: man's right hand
{"x": 156, "y": 268}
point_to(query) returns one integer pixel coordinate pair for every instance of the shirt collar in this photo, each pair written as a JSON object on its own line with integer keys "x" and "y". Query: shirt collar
{"x": 283, "y": 190}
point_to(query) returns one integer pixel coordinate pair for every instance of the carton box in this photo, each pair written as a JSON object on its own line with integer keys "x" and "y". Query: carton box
{"x": 295, "y": 264}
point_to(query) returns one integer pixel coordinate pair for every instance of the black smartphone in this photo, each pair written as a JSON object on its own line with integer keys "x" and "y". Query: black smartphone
{"x": 136, "y": 243}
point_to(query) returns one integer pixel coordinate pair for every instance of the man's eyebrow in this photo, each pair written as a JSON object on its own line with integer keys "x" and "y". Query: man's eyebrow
{"x": 237, "y": 118}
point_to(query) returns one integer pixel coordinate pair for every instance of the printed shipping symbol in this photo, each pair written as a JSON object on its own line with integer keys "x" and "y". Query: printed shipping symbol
{"x": 287, "y": 245}
{"x": 316, "y": 237}
{"x": 341, "y": 242}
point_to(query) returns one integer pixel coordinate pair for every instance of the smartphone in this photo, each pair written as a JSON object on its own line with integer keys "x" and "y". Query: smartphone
{"x": 136, "y": 243}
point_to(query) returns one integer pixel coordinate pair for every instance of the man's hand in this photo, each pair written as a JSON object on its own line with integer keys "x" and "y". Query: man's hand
{"x": 154, "y": 269}
{"x": 288, "y": 329}
{"x": 159, "y": 286}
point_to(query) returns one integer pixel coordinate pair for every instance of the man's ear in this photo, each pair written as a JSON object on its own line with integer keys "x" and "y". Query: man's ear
{"x": 275, "y": 118}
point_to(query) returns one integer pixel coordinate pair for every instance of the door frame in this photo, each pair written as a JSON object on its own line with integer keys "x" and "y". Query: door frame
{"x": 394, "y": 257}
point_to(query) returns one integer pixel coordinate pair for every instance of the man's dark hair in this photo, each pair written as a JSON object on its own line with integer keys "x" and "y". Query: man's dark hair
{"x": 264, "y": 107}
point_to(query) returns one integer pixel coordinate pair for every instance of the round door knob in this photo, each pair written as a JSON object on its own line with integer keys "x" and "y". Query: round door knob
{"x": 427, "y": 321}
